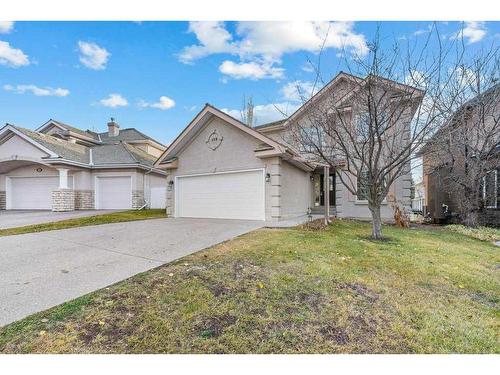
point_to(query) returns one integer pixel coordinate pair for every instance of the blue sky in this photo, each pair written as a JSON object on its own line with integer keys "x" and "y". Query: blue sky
{"x": 155, "y": 76}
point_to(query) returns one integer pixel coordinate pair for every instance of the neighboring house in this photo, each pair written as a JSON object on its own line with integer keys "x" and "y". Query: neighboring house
{"x": 218, "y": 167}
{"x": 62, "y": 168}
{"x": 418, "y": 204}
{"x": 468, "y": 140}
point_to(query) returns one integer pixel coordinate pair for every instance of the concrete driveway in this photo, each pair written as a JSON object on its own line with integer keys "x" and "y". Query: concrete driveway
{"x": 19, "y": 218}
{"x": 41, "y": 270}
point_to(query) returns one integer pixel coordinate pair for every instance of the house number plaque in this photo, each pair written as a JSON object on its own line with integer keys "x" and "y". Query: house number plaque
{"x": 214, "y": 140}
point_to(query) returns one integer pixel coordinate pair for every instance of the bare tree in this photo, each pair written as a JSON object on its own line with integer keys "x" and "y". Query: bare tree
{"x": 247, "y": 110}
{"x": 369, "y": 129}
{"x": 464, "y": 154}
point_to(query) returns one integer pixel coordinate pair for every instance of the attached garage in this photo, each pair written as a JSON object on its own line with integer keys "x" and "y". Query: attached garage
{"x": 31, "y": 193}
{"x": 113, "y": 192}
{"x": 225, "y": 195}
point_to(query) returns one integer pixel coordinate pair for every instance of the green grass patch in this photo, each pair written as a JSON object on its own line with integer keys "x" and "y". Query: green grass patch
{"x": 291, "y": 291}
{"x": 115, "y": 217}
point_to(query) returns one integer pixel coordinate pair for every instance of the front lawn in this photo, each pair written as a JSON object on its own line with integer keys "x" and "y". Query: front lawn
{"x": 114, "y": 217}
{"x": 290, "y": 291}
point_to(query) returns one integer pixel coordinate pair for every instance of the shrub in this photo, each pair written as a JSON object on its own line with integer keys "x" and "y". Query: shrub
{"x": 481, "y": 233}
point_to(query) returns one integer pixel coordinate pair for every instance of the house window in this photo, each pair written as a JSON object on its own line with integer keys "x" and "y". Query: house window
{"x": 380, "y": 123}
{"x": 362, "y": 125}
{"x": 490, "y": 189}
{"x": 362, "y": 186}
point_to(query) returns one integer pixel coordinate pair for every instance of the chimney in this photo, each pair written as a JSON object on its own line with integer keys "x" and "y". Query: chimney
{"x": 113, "y": 128}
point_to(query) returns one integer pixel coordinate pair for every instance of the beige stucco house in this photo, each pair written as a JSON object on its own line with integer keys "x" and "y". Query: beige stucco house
{"x": 218, "y": 167}
{"x": 62, "y": 168}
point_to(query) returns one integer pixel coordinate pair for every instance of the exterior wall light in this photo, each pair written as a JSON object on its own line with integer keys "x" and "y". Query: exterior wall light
{"x": 268, "y": 177}
{"x": 170, "y": 185}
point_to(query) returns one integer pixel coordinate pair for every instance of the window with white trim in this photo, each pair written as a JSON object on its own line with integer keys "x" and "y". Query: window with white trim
{"x": 362, "y": 125}
{"x": 490, "y": 189}
{"x": 362, "y": 186}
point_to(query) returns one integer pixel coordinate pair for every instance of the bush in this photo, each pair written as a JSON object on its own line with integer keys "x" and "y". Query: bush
{"x": 481, "y": 233}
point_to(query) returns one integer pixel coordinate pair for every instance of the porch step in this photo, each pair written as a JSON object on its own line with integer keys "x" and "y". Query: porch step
{"x": 321, "y": 210}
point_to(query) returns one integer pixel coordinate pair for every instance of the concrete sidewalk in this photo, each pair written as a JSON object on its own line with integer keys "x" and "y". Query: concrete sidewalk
{"x": 42, "y": 270}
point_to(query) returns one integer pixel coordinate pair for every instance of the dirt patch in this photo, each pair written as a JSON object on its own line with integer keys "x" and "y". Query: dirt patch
{"x": 315, "y": 225}
{"x": 89, "y": 332}
{"x": 114, "y": 333}
{"x": 485, "y": 299}
{"x": 366, "y": 325}
{"x": 216, "y": 288}
{"x": 314, "y": 300}
{"x": 359, "y": 290}
{"x": 215, "y": 326}
{"x": 244, "y": 270}
{"x": 334, "y": 333}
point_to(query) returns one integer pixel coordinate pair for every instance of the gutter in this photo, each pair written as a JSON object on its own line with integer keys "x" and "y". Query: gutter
{"x": 105, "y": 166}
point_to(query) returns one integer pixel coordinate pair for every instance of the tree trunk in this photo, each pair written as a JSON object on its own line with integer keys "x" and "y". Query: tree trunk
{"x": 376, "y": 222}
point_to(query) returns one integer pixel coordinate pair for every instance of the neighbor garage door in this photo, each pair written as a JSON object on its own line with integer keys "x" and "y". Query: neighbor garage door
{"x": 113, "y": 192}
{"x": 233, "y": 195}
{"x": 31, "y": 193}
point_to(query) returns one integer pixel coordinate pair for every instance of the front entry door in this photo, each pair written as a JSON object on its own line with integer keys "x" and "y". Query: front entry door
{"x": 322, "y": 190}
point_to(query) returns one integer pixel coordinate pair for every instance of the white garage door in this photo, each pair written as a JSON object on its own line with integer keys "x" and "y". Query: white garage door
{"x": 234, "y": 195}
{"x": 32, "y": 193}
{"x": 113, "y": 192}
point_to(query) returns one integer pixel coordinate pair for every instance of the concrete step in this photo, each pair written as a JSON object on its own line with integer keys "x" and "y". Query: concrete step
{"x": 321, "y": 210}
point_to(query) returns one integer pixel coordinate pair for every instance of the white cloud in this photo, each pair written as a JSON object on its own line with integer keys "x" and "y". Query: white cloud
{"x": 426, "y": 30}
{"x": 251, "y": 70}
{"x": 37, "y": 91}
{"x": 114, "y": 100}
{"x": 164, "y": 103}
{"x": 12, "y": 57}
{"x": 6, "y": 27}
{"x": 266, "y": 112}
{"x": 277, "y": 38}
{"x": 266, "y": 42}
{"x": 298, "y": 91}
{"x": 212, "y": 37}
{"x": 271, "y": 40}
{"x": 93, "y": 56}
{"x": 472, "y": 31}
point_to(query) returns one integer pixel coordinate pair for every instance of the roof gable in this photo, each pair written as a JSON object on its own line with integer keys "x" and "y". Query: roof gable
{"x": 200, "y": 121}
{"x": 10, "y": 130}
{"x": 358, "y": 83}
{"x": 86, "y": 134}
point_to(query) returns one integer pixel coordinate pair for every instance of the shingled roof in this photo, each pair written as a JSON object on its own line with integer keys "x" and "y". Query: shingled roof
{"x": 85, "y": 133}
{"x": 120, "y": 153}
{"x": 103, "y": 154}
{"x": 128, "y": 134}
{"x": 66, "y": 150}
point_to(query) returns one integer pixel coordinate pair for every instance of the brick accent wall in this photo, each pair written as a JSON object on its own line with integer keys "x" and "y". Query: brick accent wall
{"x": 137, "y": 198}
{"x": 84, "y": 200}
{"x": 63, "y": 200}
{"x": 3, "y": 201}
